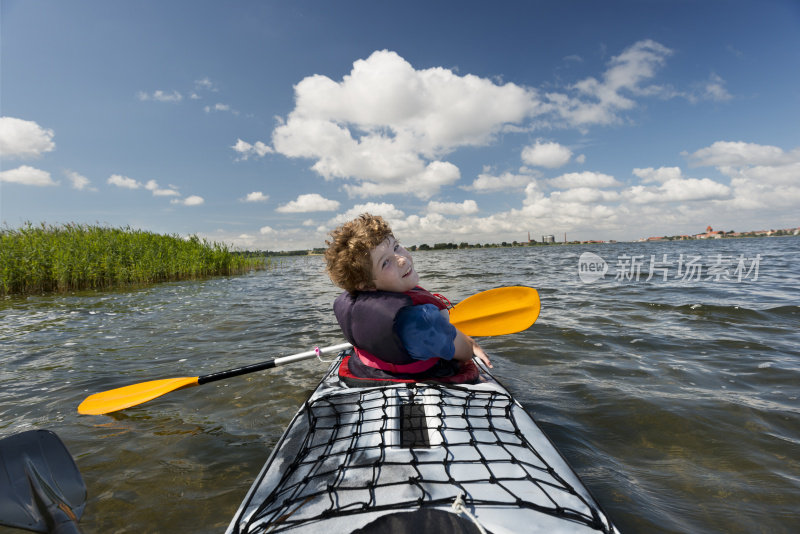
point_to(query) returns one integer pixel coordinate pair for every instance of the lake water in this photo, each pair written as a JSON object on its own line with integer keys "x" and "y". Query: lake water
{"x": 674, "y": 398}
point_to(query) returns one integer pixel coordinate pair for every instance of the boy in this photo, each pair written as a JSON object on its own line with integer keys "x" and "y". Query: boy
{"x": 398, "y": 329}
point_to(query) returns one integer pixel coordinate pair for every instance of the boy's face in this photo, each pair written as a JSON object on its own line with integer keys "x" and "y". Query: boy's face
{"x": 392, "y": 268}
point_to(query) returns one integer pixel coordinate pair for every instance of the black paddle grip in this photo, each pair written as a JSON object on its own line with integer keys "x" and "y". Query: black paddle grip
{"x": 235, "y": 372}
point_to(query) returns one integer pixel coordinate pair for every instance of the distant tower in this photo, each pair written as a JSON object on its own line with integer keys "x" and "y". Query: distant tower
{"x": 709, "y": 229}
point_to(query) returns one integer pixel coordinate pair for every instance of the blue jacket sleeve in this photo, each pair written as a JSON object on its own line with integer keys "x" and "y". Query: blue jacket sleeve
{"x": 425, "y": 332}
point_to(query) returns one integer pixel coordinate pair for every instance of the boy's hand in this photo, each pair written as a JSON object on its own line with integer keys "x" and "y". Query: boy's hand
{"x": 466, "y": 348}
{"x": 480, "y": 353}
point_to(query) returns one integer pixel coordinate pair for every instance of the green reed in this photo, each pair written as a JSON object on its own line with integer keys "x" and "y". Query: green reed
{"x": 44, "y": 258}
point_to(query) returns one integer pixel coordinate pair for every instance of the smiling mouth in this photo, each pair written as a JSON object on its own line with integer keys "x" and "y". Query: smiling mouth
{"x": 409, "y": 272}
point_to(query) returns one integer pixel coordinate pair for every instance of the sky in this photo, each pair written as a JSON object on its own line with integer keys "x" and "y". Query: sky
{"x": 265, "y": 124}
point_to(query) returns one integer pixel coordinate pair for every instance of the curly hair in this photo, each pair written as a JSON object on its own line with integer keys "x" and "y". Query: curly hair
{"x": 349, "y": 263}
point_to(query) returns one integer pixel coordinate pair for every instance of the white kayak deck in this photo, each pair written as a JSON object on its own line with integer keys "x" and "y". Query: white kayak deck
{"x": 352, "y": 455}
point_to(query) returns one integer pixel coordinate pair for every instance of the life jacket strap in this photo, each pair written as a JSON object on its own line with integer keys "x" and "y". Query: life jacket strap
{"x": 419, "y": 366}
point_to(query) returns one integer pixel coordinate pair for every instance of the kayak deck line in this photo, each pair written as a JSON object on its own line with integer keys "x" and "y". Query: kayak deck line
{"x": 352, "y": 455}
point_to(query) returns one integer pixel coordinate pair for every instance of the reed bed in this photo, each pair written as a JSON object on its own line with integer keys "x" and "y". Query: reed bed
{"x": 71, "y": 257}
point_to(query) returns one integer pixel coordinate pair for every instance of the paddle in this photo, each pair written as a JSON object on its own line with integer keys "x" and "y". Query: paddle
{"x": 41, "y": 488}
{"x": 495, "y": 312}
{"x": 118, "y": 399}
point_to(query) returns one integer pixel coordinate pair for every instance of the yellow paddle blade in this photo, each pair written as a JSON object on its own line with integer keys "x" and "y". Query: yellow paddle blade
{"x": 497, "y": 312}
{"x": 125, "y": 397}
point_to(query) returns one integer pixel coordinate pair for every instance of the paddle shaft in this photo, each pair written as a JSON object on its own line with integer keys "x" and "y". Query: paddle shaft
{"x": 275, "y": 362}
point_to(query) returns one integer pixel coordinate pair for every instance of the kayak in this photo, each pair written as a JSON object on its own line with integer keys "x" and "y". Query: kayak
{"x": 416, "y": 457}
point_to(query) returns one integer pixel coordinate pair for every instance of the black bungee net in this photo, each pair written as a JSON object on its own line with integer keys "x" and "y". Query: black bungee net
{"x": 444, "y": 441}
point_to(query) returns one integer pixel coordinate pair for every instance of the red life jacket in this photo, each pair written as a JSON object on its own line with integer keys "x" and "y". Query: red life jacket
{"x": 367, "y": 321}
{"x": 462, "y": 373}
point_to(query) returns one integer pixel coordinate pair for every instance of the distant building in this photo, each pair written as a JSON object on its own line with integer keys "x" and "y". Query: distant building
{"x": 548, "y": 239}
{"x": 710, "y": 234}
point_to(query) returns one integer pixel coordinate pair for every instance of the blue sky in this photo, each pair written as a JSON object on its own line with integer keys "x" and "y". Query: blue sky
{"x": 264, "y": 124}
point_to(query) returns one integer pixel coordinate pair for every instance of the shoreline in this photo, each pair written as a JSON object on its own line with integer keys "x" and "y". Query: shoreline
{"x": 515, "y": 244}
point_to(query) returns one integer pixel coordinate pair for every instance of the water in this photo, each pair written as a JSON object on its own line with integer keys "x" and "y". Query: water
{"x": 675, "y": 401}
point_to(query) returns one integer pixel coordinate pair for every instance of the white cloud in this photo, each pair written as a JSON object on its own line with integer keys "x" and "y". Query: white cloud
{"x": 585, "y": 195}
{"x": 729, "y": 153}
{"x": 256, "y": 196}
{"x": 308, "y": 203}
{"x": 580, "y": 207}
{"x": 761, "y": 176}
{"x": 78, "y": 181}
{"x": 160, "y": 96}
{"x": 388, "y": 211}
{"x": 26, "y": 175}
{"x": 266, "y": 230}
{"x": 217, "y": 107}
{"x": 752, "y": 194}
{"x": 714, "y": 89}
{"x": 679, "y": 190}
{"x": 152, "y": 186}
{"x": 124, "y": 182}
{"x": 246, "y": 150}
{"x": 192, "y": 200}
{"x": 768, "y": 175}
{"x": 660, "y": 175}
{"x": 387, "y": 125}
{"x": 486, "y": 182}
{"x": 467, "y": 207}
{"x": 157, "y": 191}
{"x": 424, "y": 185}
{"x": 543, "y": 154}
{"x": 695, "y": 189}
{"x": 663, "y": 200}
{"x": 24, "y": 139}
{"x": 205, "y": 84}
{"x": 583, "y": 179}
{"x": 600, "y": 101}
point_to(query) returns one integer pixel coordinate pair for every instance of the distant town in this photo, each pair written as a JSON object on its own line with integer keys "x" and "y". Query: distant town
{"x": 546, "y": 240}
{"x": 710, "y": 233}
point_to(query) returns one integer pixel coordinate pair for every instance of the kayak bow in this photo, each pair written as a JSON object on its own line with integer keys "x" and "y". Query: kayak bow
{"x": 421, "y": 457}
